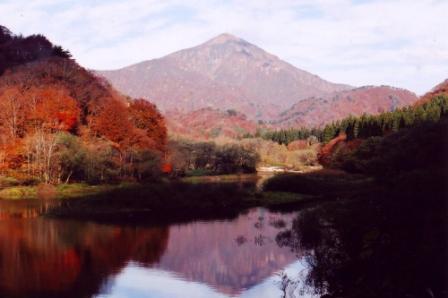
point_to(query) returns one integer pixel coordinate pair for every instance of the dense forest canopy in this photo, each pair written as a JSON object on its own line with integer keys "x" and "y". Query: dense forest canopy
{"x": 58, "y": 121}
{"x": 16, "y": 50}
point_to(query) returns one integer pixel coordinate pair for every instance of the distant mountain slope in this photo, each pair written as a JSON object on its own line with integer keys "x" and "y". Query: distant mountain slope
{"x": 317, "y": 111}
{"x": 440, "y": 89}
{"x": 208, "y": 123}
{"x": 225, "y": 73}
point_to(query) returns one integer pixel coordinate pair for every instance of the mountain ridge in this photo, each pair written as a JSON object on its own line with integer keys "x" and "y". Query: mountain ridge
{"x": 225, "y": 72}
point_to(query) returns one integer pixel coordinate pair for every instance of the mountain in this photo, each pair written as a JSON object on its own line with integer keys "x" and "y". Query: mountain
{"x": 317, "y": 111}
{"x": 225, "y": 72}
{"x": 208, "y": 123}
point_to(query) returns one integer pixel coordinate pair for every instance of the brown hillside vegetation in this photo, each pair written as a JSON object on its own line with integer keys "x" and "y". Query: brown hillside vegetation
{"x": 210, "y": 123}
{"x": 440, "y": 89}
{"x": 318, "y": 111}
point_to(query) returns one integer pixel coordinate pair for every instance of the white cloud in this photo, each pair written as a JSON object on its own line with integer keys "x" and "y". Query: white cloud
{"x": 394, "y": 42}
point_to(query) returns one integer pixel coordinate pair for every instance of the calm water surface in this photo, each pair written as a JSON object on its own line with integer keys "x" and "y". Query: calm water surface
{"x": 238, "y": 257}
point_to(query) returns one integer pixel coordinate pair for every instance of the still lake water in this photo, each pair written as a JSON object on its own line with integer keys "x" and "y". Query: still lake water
{"x": 239, "y": 257}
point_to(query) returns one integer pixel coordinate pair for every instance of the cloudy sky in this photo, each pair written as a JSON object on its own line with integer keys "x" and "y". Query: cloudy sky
{"x": 402, "y": 43}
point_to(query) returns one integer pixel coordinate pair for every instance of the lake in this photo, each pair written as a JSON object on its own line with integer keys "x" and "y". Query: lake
{"x": 376, "y": 245}
{"x": 236, "y": 257}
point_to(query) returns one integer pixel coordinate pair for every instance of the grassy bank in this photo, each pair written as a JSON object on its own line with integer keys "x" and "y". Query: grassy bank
{"x": 220, "y": 178}
{"x": 13, "y": 189}
{"x": 62, "y": 191}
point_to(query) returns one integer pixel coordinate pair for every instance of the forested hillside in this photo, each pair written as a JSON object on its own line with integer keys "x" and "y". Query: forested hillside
{"x": 59, "y": 122}
{"x": 369, "y": 125}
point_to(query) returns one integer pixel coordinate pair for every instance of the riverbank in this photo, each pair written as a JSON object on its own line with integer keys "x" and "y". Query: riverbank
{"x": 182, "y": 200}
{"x": 186, "y": 198}
{"x": 13, "y": 189}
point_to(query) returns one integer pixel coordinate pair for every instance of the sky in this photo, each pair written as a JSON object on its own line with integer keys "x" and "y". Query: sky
{"x": 402, "y": 43}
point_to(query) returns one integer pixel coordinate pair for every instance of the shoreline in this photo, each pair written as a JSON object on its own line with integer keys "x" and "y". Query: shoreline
{"x": 182, "y": 200}
{"x": 18, "y": 190}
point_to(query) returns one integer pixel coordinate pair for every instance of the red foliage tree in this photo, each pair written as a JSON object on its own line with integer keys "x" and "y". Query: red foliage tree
{"x": 327, "y": 150}
{"x": 339, "y": 144}
{"x": 167, "y": 168}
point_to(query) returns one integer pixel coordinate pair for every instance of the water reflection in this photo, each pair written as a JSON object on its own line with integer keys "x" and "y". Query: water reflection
{"x": 209, "y": 252}
{"x": 49, "y": 258}
{"x": 42, "y": 257}
{"x": 24, "y": 208}
{"x": 133, "y": 282}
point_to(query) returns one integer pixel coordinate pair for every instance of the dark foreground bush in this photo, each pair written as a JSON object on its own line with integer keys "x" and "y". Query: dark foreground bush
{"x": 317, "y": 183}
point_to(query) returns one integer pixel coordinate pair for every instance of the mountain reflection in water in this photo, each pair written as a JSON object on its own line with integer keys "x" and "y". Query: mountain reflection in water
{"x": 42, "y": 257}
{"x": 139, "y": 282}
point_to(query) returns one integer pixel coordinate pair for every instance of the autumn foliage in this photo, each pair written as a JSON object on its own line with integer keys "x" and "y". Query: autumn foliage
{"x": 145, "y": 116}
{"x": 328, "y": 149}
{"x": 52, "y": 108}
{"x": 112, "y": 121}
{"x": 59, "y": 121}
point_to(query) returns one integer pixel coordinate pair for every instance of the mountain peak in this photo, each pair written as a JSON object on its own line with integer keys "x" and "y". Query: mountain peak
{"x": 223, "y": 38}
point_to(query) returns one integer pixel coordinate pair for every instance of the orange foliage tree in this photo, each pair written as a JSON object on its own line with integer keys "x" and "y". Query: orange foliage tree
{"x": 52, "y": 109}
{"x": 13, "y": 110}
{"x": 145, "y": 116}
{"x": 111, "y": 120}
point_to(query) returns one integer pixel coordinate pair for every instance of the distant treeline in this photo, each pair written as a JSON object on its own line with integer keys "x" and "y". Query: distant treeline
{"x": 208, "y": 158}
{"x": 366, "y": 125}
{"x": 286, "y": 136}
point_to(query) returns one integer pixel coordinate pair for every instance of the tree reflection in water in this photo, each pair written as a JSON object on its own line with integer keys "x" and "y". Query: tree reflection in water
{"x": 42, "y": 257}
{"x": 50, "y": 258}
{"x": 391, "y": 243}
